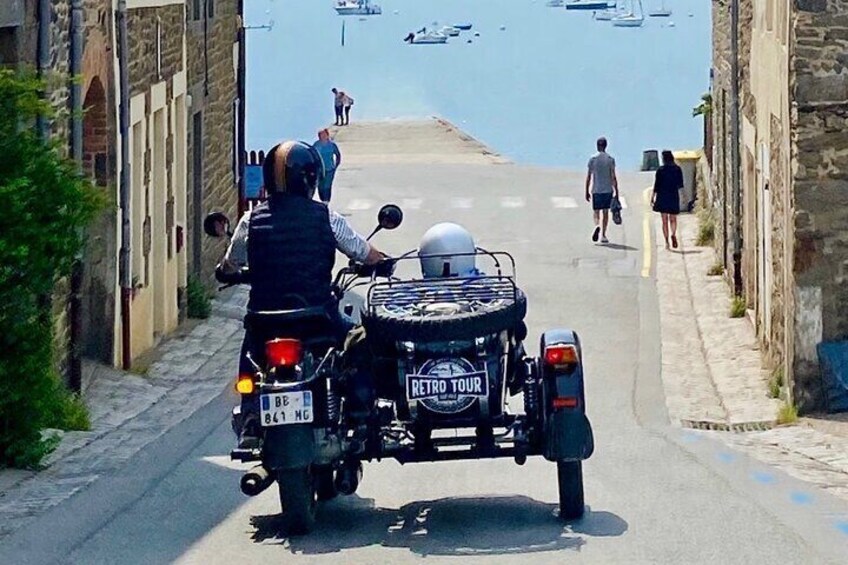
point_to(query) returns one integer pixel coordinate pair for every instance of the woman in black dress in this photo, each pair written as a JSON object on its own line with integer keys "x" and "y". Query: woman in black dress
{"x": 666, "y": 198}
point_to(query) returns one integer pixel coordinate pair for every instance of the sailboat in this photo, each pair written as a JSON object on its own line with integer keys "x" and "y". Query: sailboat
{"x": 630, "y": 19}
{"x": 662, "y": 12}
{"x": 608, "y": 14}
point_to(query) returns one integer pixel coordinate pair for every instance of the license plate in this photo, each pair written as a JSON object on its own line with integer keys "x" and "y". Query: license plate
{"x": 282, "y": 408}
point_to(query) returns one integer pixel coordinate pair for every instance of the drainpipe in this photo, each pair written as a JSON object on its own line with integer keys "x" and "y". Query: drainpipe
{"x": 75, "y": 302}
{"x": 242, "y": 96}
{"x": 124, "y": 273}
{"x": 734, "y": 151}
{"x": 44, "y": 18}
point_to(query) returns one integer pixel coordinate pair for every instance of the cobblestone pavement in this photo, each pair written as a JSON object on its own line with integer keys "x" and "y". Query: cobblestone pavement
{"x": 130, "y": 411}
{"x": 713, "y": 377}
{"x": 711, "y": 362}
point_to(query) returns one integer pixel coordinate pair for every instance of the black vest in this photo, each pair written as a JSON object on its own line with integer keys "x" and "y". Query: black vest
{"x": 291, "y": 250}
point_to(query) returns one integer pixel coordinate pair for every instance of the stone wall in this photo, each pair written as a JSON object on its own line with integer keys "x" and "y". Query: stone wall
{"x": 820, "y": 170}
{"x": 213, "y": 86}
{"x": 154, "y": 59}
{"x": 721, "y": 90}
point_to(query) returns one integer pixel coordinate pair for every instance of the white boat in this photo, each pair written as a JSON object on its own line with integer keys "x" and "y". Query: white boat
{"x": 661, "y": 12}
{"x": 555, "y": 4}
{"x": 630, "y": 19}
{"x": 357, "y": 8}
{"x": 608, "y": 14}
{"x": 450, "y": 31}
{"x": 424, "y": 37}
{"x": 587, "y": 5}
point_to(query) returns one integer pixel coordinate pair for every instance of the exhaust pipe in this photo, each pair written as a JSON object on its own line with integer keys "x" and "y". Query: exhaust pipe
{"x": 255, "y": 481}
{"x": 348, "y": 477}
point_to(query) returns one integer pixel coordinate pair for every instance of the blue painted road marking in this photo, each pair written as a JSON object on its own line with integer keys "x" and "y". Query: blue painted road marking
{"x": 801, "y": 497}
{"x": 764, "y": 478}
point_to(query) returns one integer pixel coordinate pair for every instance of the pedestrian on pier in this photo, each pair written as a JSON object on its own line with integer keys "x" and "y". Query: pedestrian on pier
{"x": 331, "y": 157}
{"x": 601, "y": 188}
{"x": 666, "y": 196}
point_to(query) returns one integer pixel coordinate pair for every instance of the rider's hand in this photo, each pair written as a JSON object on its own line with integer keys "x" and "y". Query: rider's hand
{"x": 374, "y": 256}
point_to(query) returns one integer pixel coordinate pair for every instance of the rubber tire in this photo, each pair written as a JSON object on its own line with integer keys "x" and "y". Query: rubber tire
{"x": 445, "y": 328}
{"x": 570, "y": 482}
{"x": 298, "y": 499}
{"x": 325, "y": 486}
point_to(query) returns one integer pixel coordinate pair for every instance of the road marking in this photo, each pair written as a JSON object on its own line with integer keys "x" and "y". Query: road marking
{"x": 763, "y": 477}
{"x": 462, "y": 202}
{"x": 563, "y": 202}
{"x": 801, "y": 498}
{"x": 359, "y": 204}
{"x": 646, "y": 234}
{"x": 512, "y": 202}
{"x": 623, "y": 202}
{"x": 412, "y": 203}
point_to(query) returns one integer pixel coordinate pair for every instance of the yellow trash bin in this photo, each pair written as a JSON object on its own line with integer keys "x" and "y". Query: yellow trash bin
{"x": 688, "y": 162}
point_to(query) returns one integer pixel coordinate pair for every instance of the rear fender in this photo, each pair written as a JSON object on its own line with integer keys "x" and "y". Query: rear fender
{"x": 567, "y": 430}
{"x": 290, "y": 446}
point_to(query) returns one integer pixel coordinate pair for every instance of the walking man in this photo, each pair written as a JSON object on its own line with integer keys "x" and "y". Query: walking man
{"x": 338, "y": 105}
{"x": 601, "y": 187}
{"x": 332, "y": 158}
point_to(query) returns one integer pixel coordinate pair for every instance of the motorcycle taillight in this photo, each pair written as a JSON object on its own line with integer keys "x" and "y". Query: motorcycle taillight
{"x": 283, "y": 352}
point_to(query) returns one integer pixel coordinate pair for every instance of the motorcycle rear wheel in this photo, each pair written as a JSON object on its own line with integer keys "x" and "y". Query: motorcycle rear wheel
{"x": 298, "y": 499}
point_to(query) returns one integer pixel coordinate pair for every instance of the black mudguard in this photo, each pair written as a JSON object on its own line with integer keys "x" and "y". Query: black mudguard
{"x": 568, "y": 437}
{"x": 567, "y": 432}
{"x": 289, "y": 447}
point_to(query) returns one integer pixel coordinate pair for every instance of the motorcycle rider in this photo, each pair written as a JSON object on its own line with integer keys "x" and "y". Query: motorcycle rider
{"x": 286, "y": 247}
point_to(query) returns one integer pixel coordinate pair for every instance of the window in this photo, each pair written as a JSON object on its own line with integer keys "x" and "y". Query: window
{"x": 210, "y": 9}
{"x": 196, "y": 9}
{"x": 8, "y": 46}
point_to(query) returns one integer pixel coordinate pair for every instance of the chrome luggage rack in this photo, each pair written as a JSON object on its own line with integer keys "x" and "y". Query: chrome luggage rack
{"x": 399, "y": 295}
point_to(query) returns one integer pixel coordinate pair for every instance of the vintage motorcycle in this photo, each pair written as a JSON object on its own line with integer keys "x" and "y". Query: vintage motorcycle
{"x": 445, "y": 353}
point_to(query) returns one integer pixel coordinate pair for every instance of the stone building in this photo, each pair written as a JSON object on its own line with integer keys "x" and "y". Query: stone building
{"x": 793, "y": 166}
{"x": 108, "y": 311}
{"x": 214, "y": 140}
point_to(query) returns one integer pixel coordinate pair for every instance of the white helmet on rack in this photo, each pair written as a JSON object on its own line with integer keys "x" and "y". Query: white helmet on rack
{"x": 449, "y": 239}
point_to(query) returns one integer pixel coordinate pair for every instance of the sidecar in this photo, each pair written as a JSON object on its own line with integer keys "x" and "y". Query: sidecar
{"x": 450, "y": 357}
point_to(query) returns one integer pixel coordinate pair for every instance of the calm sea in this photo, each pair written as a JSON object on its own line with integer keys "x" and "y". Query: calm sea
{"x": 539, "y": 91}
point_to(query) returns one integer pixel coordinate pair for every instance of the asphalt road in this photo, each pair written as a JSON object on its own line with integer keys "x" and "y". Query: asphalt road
{"x": 655, "y": 493}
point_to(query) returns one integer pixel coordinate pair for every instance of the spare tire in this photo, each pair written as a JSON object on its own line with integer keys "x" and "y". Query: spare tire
{"x": 386, "y": 327}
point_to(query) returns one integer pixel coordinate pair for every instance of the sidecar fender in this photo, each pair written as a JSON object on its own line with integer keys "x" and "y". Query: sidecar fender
{"x": 567, "y": 432}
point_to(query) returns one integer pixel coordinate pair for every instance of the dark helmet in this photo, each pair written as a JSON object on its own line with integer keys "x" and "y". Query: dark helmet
{"x": 292, "y": 167}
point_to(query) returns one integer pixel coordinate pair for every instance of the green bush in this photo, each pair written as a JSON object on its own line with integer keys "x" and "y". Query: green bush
{"x": 199, "y": 299}
{"x": 776, "y": 383}
{"x": 46, "y": 205}
{"x": 737, "y": 307}
{"x": 787, "y": 414}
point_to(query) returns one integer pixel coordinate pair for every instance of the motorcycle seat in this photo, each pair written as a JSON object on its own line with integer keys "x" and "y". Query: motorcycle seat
{"x": 314, "y": 325}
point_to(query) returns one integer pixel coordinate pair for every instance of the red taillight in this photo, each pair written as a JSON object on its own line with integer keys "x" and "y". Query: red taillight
{"x": 566, "y": 402}
{"x": 559, "y": 355}
{"x": 283, "y": 352}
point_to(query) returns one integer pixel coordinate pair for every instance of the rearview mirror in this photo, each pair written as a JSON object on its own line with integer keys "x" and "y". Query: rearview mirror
{"x": 216, "y": 224}
{"x": 390, "y": 217}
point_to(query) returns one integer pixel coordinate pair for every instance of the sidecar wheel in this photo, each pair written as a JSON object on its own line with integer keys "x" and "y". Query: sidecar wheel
{"x": 298, "y": 499}
{"x": 570, "y": 479}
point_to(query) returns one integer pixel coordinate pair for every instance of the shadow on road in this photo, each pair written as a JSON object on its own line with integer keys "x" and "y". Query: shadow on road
{"x": 618, "y": 247}
{"x": 447, "y": 526}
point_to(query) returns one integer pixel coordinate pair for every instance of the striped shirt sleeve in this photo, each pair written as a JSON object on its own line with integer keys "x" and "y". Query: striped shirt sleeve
{"x": 347, "y": 240}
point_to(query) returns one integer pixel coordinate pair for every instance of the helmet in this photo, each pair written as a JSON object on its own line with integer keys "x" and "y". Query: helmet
{"x": 449, "y": 239}
{"x": 292, "y": 167}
